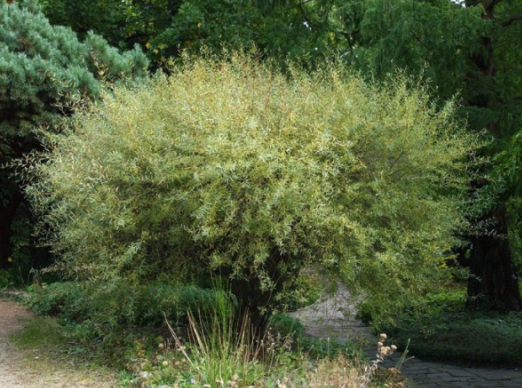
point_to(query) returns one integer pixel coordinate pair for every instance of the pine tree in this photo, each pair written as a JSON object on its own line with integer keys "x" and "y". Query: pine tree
{"x": 43, "y": 68}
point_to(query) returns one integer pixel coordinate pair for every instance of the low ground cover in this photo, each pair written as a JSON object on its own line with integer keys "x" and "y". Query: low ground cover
{"x": 441, "y": 329}
{"x": 208, "y": 349}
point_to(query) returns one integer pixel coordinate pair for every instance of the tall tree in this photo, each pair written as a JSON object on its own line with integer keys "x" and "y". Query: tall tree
{"x": 492, "y": 280}
{"x": 42, "y": 70}
{"x": 466, "y": 50}
{"x": 165, "y": 28}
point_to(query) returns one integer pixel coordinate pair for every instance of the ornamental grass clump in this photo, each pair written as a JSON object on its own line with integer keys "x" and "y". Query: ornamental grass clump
{"x": 227, "y": 166}
{"x": 340, "y": 372}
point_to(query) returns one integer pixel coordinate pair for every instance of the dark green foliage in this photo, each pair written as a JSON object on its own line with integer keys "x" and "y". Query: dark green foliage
{"x": 6, "y": 279}
{"x": 278, "y": 30}
{"x": 122, "y": 23}
{"x": 43, "y": 67}
{"x": 122, "y": 304}
{"x": 434, "y": 38}
{"x": 164, "y": 28}
{"x": 509, "y": 167}
{"x": 441, "y": 330}
{"x": 44, "y": 71}
{"x": 104, "y": 17}
{"x": 285, "y": 325}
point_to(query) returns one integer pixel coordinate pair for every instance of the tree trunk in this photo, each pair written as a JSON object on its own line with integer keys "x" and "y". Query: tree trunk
{"x": 492, "y": 280}
{"x": 257, "y": 303}
{"x": 492, "y": 283}
{"x": 7, "y": 214}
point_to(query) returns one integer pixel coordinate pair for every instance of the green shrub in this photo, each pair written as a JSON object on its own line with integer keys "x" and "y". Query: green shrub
{"x": 230, "y": 167}
{"x": 317, "y": 348}
{"x": 463, "y": 338}
{"x": 6, "y": 279}
{"x": 441, "y": 329}
{"x": 286, "y": 325}
{"x": 120, "y": 303}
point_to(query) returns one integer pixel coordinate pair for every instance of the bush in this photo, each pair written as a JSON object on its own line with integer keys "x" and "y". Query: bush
{"x": 464, "y": 339}
{"x": 115, "y": 304}
{"x": 440, "y": 329}
{"x": 229, "y": 166}
{"x": 285, "y": 325}
{"x": 6, "y": 279}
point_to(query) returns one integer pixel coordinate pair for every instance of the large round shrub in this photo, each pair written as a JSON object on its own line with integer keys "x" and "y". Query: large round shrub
{"x": 230, "y": 167}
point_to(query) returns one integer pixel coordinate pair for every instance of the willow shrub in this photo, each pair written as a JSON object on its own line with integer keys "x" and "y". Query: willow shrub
{"x": 229, "y": 167}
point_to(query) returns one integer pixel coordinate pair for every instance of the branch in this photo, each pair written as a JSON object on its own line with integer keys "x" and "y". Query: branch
{"x": 511, "y": 20}
{"x": 305, "y": 16}
{"x": 491, "y": 5}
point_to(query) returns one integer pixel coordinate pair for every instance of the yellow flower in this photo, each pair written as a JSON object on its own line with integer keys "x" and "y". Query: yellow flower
{"x": 10, "y": 259}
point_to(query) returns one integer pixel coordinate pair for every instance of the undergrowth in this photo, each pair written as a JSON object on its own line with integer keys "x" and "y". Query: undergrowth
{"x": 208, "y": 348}
{"x": 441, "y": 329}
{"x": 50, "y": 352}
{"x": 118, "y": 304}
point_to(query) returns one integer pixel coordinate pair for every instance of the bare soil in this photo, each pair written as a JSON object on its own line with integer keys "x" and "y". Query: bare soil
{"x": 35, "y": 368}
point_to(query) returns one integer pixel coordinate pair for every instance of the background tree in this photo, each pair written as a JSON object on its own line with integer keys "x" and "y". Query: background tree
{"x": 255, "y": 174}
{"x": 43, "y": 69}
{"x": 457, "y": 49}
{"x": 123, "y": 23}
{"x": 165, "y": 28}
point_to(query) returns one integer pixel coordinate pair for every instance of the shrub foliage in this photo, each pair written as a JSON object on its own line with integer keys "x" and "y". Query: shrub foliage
{"x": 229, "y": 166}
{"x": 108, "y": 306}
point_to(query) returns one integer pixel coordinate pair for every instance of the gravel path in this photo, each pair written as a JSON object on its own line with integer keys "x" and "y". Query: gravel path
{"x": 10, "y": 320}
{"x": 25, "y": 370}
{"x": 334, "y": 317}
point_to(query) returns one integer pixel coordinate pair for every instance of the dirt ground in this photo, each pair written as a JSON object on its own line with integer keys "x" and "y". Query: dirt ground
{"x": 23, "y": 369}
